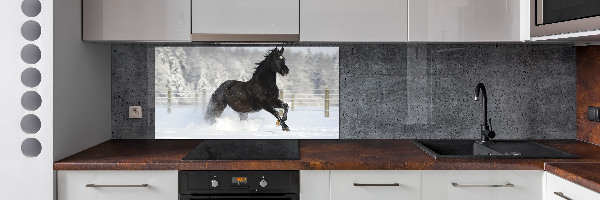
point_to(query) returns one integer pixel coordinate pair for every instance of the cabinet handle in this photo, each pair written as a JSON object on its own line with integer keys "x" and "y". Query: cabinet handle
{"x": 560, "y": 194}
{"x": 361, "y": 184}
{"x": 505, "y": 185}
{"x": 94, "y": 185}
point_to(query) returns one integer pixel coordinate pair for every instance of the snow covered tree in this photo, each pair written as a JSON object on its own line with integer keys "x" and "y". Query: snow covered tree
{"x": 169, "y": 73}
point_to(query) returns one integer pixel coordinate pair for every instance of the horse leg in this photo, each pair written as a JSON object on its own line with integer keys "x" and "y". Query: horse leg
{"x": 243, "y": 116}
{"x": 215, "y": 108}
{"x": 285, "y": 110}
{"x": 274, "y": 112}
{"x": 280, "y": 104}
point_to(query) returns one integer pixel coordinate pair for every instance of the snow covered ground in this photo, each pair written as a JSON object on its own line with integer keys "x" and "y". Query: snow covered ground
{"x": 187, "y": 122}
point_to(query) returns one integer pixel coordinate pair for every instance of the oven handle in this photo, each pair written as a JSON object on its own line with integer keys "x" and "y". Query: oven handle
{"x": 249, "y": 197}
{"x": 191, "y": 197}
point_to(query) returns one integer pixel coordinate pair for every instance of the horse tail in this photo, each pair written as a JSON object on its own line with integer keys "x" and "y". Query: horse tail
{"x": 218, "y": 102}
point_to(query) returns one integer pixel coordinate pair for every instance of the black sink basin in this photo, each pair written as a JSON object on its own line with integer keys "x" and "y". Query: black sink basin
{"x": 493, "y": 149}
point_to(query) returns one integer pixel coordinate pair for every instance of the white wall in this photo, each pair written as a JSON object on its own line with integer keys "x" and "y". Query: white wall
{"x": 24, "y": 177}
{"x": 75, "y": 92}
{"x": 82, "y": 84}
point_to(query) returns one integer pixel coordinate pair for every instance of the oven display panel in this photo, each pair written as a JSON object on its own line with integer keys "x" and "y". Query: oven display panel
{"x": 239, "y": 180}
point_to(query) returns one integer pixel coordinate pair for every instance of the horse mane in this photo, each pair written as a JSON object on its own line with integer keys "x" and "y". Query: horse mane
{"x": 262, "y": 64}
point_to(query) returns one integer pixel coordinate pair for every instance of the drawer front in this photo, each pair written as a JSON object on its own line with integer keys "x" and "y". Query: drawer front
{"x": 566, "y": 189}
{"x": 482, "y": 184}
{"x": 408, "y": 184}
{"x": 162, "y": 185}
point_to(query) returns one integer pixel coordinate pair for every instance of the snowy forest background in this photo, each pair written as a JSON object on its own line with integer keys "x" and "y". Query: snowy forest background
{"x": 186, "y": 77}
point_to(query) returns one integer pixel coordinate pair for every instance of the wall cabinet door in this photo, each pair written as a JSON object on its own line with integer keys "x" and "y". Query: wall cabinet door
{"x": 561, "y": 189}
{"x": 117, "y": 184}
{"x": 220, "y": 19}
{"x": 136, "y": 20}
{"x": 482, "y": 184}
{"x": 354, "y": 20}
{"x": 371, "y": 185}
{"x": 468, "y": 20}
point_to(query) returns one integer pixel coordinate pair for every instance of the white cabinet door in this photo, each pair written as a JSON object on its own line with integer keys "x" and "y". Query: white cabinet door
{"x": 482, "y": 184}
{"x": 136, "y": 20}
{"x": 561, "y": 189}
{"x": 468, "y": 20}
{"x": 354, "y": 20}
{"x": 246, "y": 17}
{"x": 117, "y": 184}
{"x": 371, "y": 185}
{"x": 314, "y": 184}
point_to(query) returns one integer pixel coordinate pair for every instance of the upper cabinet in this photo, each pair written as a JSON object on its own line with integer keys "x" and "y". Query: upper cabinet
{"x": 307, "y": 20}
{"x": 136, "y": 20}
{"x": 354, "y": 20}
{"x": 245, "y": 20}
{"x": 468, "y": 20}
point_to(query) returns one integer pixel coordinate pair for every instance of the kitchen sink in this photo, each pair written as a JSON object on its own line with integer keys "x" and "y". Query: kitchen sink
{"x": 491, "y": 149}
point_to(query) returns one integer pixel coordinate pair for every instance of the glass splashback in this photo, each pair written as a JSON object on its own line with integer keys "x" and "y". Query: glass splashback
{"x": 198, "y": 88}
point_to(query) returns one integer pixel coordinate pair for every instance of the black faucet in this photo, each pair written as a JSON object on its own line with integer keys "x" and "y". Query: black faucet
{"x": 486, "y": 130}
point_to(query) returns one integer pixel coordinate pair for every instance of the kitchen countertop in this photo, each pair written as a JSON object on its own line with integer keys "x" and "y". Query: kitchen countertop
{"x": 581, "y": 173}
{"x": 314, "y": 155}
{"x": 331, "y": 155}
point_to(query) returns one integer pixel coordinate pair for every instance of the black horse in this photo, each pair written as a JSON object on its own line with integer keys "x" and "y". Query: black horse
{"x": 260, "y": 92}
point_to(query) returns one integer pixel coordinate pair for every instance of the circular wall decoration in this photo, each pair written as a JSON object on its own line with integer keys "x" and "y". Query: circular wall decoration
{"x": 31, "y": 54}
{"x": 31, "y": 77}
{"x": 31, "y": 124}
{"x": 31, "y": 30}
{"x": 31, "y": 100}
{"x": 31, "y": 8}
{"x": 31, "y": 147}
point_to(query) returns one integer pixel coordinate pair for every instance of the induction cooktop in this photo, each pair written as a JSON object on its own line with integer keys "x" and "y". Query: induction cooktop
{"x": 245, "y": 150}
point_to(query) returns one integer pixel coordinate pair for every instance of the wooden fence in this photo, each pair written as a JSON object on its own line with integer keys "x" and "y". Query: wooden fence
{"x": 294, "y": 98}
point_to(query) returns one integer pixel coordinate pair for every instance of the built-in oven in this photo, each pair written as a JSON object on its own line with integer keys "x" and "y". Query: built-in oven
{"x": 233, "y": 185}
{"x": 553, "y": 17}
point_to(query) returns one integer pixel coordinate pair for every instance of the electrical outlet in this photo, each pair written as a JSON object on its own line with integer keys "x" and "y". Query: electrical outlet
{"x": 135, "y": 112}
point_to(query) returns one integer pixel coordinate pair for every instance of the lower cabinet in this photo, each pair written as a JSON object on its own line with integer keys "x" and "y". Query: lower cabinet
{"x": 561, "y": 189}
{"x": 117, "y": 184}
{"x": 482, "y": 184}
{"x": 314, "y": 184}
{"x": 340, "y": 185}
{"x": 371, "y": 185}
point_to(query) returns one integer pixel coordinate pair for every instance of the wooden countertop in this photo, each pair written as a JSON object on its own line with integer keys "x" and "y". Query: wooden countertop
{"x": 581, "y": 173}
{"x": 314, "y": 155}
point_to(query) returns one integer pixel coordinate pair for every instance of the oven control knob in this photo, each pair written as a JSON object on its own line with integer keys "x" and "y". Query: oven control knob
{"x": 263, "y": 183}
{"x": 214, "y": 183}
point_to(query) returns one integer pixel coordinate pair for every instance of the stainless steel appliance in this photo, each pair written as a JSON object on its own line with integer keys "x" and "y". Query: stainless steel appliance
{"x": 555, "y": 17}
{"x": 232, "y": 185}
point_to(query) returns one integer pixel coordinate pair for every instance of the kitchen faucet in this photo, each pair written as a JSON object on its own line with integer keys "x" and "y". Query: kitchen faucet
{"x": 486, "y": 130}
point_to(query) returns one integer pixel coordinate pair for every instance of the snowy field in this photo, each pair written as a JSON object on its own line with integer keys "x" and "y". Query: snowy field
{"x": 187, "y": 122}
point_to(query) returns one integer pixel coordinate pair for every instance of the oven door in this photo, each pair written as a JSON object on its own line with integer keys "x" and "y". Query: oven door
{"x": 236, "y": 197}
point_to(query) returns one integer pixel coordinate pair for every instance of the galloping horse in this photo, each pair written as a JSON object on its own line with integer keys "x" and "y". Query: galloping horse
{"x": 259, "y": 93}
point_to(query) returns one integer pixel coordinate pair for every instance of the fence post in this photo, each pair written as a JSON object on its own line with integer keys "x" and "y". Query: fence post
{"x": 203, "y": 100}
{"x": 281, "y": 97}
{"x": 292, "y": 102}
{"x": 169, "y": 101}
{"x": 327, "y": 102}
{"x": 196, "y": 102}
